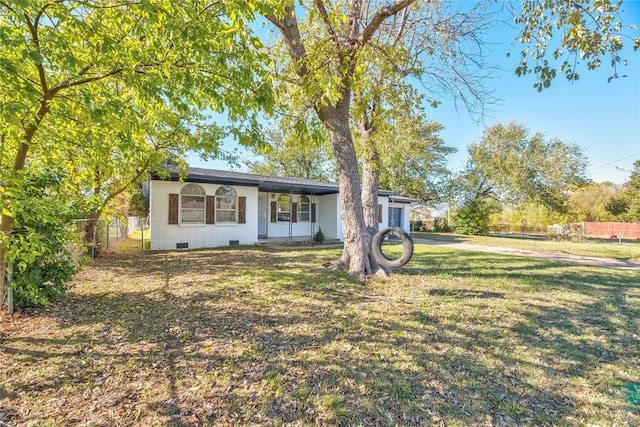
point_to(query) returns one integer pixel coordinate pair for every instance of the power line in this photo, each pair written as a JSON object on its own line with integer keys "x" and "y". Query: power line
{"x": 616, "y": 161}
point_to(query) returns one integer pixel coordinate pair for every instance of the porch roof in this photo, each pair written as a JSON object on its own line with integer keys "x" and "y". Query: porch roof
{"x": 399, "y": 199}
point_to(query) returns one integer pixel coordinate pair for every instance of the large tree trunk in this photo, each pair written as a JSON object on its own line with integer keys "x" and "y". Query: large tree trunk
{"x": 89, "y": 232}
{"x": 370, "y": 179}
{"x": 357, "y": 256}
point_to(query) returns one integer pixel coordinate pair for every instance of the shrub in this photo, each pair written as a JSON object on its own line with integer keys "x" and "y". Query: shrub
{"x": 319, "y": 236}
{"x": 441, "y": 225}
{"x": 419, "y": 226}
{"x": 474, "y": 217}
{"x": 41, "y": 243}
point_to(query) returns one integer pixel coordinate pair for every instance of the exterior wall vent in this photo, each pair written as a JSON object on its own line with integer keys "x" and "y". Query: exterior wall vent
{"x": 182, "y": 245}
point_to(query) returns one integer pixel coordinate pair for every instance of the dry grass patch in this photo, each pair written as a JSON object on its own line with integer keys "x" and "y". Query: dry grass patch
{"x": 264, "y": 337}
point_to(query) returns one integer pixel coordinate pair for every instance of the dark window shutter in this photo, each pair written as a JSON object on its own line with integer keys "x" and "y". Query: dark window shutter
{"x": 242, "y": 210}
{"x": 173, "y": 208}
{"x": 294, "y": 212}
{"x": 313, "y": 212}
{"x": 379, "y": 214}
{"x": 274, "y": 212}
{"x": 211, "y": 209}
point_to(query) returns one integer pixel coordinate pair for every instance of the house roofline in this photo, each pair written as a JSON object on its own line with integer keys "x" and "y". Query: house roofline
{"x": 264, "y": 183}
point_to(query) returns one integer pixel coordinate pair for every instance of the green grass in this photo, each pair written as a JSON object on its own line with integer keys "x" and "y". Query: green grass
{"x": 604, "y": 249}
{"x": 256, "y": 336}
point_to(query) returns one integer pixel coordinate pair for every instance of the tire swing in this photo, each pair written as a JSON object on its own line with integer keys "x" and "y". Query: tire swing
{"x": 407, "y": 247}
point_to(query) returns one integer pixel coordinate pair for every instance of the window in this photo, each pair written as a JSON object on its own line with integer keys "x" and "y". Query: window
{"x": 284, "y": 208}
{"x": 192, "y": 198}
{"x": 304, "y": 209}
{"x": 226, "y": 204}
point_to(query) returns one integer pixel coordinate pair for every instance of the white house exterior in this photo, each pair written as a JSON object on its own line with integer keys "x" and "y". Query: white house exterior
{"x": 211, "y": 208}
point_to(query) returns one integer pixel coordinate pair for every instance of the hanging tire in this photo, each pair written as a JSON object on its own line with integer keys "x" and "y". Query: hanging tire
{"x": 407, "y": 247}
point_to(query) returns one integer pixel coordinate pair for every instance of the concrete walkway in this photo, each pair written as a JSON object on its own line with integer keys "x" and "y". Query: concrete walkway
{"x": 576, "y": 259}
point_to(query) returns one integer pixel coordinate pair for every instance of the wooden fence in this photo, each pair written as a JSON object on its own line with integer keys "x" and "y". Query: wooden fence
{"x": 612, "y": 230}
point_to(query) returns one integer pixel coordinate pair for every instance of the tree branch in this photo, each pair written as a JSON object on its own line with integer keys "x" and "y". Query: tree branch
{"x": 7, "y": 5}
{"x": 354, "y": 19}
{"x": 33, "y": 30}
{"x": 401, "y": 27}
{"x": 380, "y": 15}
{"x": 288, "y": 26}
{"x": 325, "y": 18}
{"x": 69, "y": 83}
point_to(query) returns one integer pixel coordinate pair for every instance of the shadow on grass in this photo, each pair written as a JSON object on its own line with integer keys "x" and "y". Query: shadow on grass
{"x": 257, "y": 336}
{"x": 441, "y": 237}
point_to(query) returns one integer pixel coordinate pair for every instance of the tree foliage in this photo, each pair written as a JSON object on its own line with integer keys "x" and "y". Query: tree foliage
{"x": 626, "y": 203}
{"x": 527, "y": 216}
{"x": 514, "y": 165}
{"x": 413, "y": 158}
{"x": 474, "y": 217}
{"x": 97, "y": 89}
{"x": 589, "y": 202}
{"x": 297, "y": 149}
{"x": 561, "y": 37}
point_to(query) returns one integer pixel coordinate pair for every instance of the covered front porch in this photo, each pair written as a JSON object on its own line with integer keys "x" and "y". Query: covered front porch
{"x": 297, "y": 215}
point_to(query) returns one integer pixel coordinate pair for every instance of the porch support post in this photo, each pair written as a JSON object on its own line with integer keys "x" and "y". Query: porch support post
{"x": 313, "y": 224}
{"x": 290, "y": 214}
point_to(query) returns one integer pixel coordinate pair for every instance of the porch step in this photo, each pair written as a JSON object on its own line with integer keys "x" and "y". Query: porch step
{"x": 297, "y": 241}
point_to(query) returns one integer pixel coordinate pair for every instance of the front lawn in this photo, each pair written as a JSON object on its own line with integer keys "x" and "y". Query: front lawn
{"x": 252, "y": 335}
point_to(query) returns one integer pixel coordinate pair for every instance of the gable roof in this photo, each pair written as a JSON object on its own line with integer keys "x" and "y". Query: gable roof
{"x": 265, "y": 183}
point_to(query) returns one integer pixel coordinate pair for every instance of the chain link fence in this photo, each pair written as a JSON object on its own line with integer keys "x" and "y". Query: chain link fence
{"x": 105, "y": 235}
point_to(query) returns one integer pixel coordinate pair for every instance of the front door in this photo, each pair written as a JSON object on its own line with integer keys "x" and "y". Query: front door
{"x": 262, "y": 215}
{"x": 395, "y": 217}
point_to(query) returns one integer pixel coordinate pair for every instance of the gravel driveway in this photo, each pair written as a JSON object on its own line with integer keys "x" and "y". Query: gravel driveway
{"x": 576, "y": 259}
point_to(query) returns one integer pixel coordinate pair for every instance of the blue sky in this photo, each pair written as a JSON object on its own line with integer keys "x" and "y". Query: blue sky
{"x": 603, "y": 118}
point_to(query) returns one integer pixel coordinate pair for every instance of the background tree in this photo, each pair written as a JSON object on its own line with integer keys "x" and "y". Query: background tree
{"x": 589, "y": 202}
{"x": 421, "y": 171}
{"x": 511, "y": 166}
{"x": 626, "y": 204}
{"x": 138, "y": 202}
{"x": 526, "y": 217}
{"x": 297, "y": 149}
{"x": 633, "y": 193}
{"x": 514, "y": 166}
{"x": 474, "y": 216}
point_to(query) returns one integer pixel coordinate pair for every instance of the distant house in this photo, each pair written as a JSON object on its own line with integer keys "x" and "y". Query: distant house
{"x": 211, "y": 208}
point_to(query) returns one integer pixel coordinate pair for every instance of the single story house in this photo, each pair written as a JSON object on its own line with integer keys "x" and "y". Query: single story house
{"x": 211, "y": 208}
